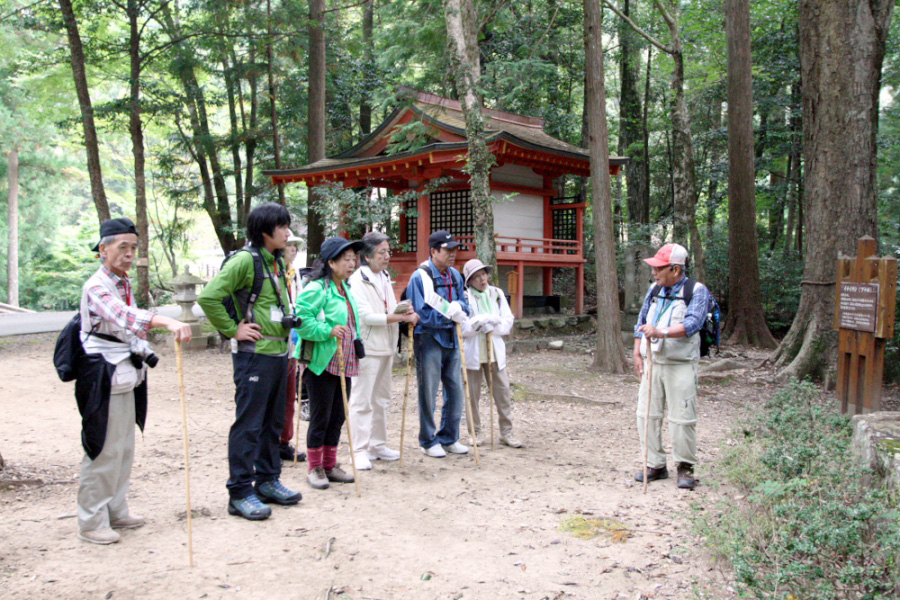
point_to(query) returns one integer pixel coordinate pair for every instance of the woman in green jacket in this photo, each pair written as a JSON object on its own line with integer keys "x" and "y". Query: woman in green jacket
{"x": 329, "y": 317}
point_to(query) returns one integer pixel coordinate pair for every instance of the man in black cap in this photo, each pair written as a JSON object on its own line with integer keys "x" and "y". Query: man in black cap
{"x": 437, "y": 294}
{"x": 111, "y": 387}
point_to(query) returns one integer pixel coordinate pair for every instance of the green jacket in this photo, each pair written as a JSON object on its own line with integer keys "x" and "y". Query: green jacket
{"x": 318, "y": 296}
{"x": 237, "y": 274}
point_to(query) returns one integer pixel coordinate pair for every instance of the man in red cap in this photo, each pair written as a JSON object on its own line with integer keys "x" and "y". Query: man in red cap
{"x": 673, "y": 312}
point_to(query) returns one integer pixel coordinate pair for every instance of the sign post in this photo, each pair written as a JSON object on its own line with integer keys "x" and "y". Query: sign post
{"x": 865, "y": 294}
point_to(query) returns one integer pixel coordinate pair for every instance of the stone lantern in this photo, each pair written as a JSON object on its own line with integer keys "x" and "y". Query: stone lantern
{"x": 185, "y": 296}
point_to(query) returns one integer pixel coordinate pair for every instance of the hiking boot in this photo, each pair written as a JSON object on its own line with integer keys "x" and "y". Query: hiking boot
{"x": 317, "y": 479}
{"x": 338, "y": 475}
{"x": 686, "y": 479}
{"x": 286, "y": 452}
{"x": 275, "y": 492}
{"x": 250, "y": 508}
{"x": 510, "y": 441}
{"x": 99, "y": 536}
{"x": 653, "y": 473}
{"x": 127, "y": 522}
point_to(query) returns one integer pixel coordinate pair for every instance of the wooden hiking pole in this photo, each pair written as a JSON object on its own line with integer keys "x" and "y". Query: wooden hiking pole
{"x": 409, "y": 354}
{"x": 299, "y": 398}
{"x": 184, "y": 436}
{"x": 647, "y": 412}
{"x": 490, "y": 381}
{"x": 340, "y": 353}
{"x": 465, "y": 378}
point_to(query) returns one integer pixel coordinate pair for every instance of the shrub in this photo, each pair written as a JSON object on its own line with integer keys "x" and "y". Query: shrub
{"x": 807, "y": 525}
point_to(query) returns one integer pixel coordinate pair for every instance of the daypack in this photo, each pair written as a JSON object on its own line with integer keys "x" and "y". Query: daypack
{"x": 710, "y": 333}
{"x": 69, "y": 351}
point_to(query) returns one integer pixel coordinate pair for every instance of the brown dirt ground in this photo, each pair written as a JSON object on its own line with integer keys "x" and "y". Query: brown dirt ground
{"x": 441, "y": 529}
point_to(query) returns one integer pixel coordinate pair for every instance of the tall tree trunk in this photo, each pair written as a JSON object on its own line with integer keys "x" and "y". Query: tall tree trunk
{"x": 715, "y": 156}
{"x": 795, "y": 174}
{"x": 76, "y": 53}
{"x": 12, "y": 216}
{"x": 270, "y": 60}
{"x": 842, "y": 45}
{"x": 232, "y": 91}
{"x": 136, "y": 129}
{"x": 315, "y": 232}
{"x": 745, "y": 323}
{"x": 609, "y": 355}
{"x": 630, "y": 130}
{"x": 461, "y": 22}
{"x": 365, "y": 105}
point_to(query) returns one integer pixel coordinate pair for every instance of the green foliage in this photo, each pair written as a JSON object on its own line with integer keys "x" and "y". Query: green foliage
{"x": 803, "y": 523}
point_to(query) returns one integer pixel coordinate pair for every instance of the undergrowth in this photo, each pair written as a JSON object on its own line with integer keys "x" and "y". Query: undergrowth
{"x": 802, "y": 523}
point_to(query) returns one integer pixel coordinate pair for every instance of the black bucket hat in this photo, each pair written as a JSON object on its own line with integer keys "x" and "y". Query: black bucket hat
{"x": 114, "y": 227}
{"x": 335, "y": 246}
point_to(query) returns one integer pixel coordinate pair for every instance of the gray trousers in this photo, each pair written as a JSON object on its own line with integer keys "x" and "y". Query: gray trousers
{"x": 673, "y": 386}
{"x": 502, "y": 397}
{"x": 103, "y": 483}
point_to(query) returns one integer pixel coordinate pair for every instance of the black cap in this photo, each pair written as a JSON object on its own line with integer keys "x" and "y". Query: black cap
{"x": 442, "y": 239}
{"x": 114, "y": 227}
{"x": 335, "y": 246}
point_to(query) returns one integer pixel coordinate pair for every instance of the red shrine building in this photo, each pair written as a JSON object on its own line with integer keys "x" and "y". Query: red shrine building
{"x": 535, "y": 230}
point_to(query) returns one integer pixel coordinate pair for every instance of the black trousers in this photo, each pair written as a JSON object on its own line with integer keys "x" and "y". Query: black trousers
{"x": 259, "y": 382}
{"x": 326, "y": 408}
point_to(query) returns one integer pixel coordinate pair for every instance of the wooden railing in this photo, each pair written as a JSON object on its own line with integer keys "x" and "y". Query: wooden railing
{"x": 523, "y": 245}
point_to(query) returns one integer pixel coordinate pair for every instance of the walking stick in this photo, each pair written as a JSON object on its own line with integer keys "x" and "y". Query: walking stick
{"x": 465, "y": 378}
{"x": 299, "y": 398}
{"x": 409, "y": 354}
{"x": 490, "y": 351}
{"x": 184, "y": 435}
{"x": 647, "y": 412}
{"x": 340, "y": 353}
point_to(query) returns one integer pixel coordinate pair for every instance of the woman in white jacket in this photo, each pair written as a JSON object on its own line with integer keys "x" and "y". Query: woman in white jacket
{"x": 491, "y": 315}
{"x": 370, "y": 393}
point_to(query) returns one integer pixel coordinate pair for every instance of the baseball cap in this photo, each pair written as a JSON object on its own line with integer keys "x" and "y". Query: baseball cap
{"x": 114, "y": 227}
{"x": 670, "y": 254}
{"x": 442, "y": 239}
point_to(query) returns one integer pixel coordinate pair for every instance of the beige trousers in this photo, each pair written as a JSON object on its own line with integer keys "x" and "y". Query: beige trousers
{"x": 502, "y": 397}
{"x": 104, "y": 481}
{"x": 370, "y": 396}
{"x": 673, "y": 386}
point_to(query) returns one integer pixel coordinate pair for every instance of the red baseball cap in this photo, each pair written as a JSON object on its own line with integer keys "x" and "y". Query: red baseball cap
{"x": 670, "y": 254}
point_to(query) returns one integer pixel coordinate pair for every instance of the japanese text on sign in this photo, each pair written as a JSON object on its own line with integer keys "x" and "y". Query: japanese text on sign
{"x": 858, "y": 306}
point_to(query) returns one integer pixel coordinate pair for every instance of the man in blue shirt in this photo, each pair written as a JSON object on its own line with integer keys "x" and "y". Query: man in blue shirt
{"x": 437, "y": 295}
{"x": 670, "y": 325}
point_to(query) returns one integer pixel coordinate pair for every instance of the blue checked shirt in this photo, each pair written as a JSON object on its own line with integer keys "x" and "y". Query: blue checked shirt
{"x": 695, "y": 315}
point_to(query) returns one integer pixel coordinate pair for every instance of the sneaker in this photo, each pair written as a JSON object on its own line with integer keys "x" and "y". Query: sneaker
{"x": 317, "y": 479}
{"x": 275, "y": 492}
{"x": 382, "y": 453}
{"x": 250, "y": 508}
{"x": 99, "y": 536}
{"x": 510, "y": 441}
{"x": 127, "y": 522}
{"x": 286, "y": 452}
{"x": 434, "y": 452}
{"x": 686, "y": 480}
{"x": 653, "y": 473}
{"x": 362, "y": 461}
{"x": 338, "y": 475}
{"x": 457, "y": 448}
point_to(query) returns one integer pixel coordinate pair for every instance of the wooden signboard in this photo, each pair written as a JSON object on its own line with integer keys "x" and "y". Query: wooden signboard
{"x": 865, "y": 294}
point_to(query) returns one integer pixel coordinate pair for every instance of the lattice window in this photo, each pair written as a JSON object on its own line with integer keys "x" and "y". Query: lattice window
{"x": 452, "y": 211}
{"x": 411, "y": 231}
{"x": 565, "y": 225}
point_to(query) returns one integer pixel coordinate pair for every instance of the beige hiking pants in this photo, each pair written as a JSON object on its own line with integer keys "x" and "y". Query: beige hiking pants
{"x": 502, "y": 397}
{"x": 673, "y": 386}
{"x": 103, "y": 483}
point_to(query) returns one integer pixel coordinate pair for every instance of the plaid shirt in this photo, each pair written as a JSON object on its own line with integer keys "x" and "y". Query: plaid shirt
{"x": 104, "y": 306}
{"x": 351, "y": 363}
{"x": 695, "y": 314}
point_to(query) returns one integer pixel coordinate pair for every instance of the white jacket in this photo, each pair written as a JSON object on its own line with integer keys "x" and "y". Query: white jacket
{"x": 473, "y": 340}
{"x": 374, "y": 295}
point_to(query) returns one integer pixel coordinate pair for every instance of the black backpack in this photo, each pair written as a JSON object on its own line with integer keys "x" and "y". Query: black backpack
{"x": 404, "y": 327}
{"x": 69, "y": 352}
{"x": 710, "y": 334}
{"x": 246, "y": 297}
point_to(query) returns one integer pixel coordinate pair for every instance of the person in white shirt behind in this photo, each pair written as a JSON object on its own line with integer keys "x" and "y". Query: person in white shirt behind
{"x": 493, "y": 316}
{"x": 370, "y": 393}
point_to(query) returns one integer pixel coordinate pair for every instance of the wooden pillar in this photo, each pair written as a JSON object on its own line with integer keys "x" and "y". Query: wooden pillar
{"x": 579, "y": 289}
{"x": 520, "y": 289}
{"x": 548, "y": 281}
{"x": 423, "y": 225}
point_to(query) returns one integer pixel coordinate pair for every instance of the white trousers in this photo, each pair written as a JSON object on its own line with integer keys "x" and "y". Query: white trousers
{"x": 673, "y": 387}
{"x": 104, "y": 481}
{"x": 370, "y": 396}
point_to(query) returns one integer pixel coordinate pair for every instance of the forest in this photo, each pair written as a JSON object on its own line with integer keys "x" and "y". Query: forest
{"x": 762, "y": 135}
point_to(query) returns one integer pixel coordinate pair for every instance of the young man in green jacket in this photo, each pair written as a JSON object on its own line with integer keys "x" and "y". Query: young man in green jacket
{"x": 259, "y": 351}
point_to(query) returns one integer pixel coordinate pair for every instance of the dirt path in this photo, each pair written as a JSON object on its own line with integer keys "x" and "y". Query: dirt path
{"x": 430, "y": 529}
